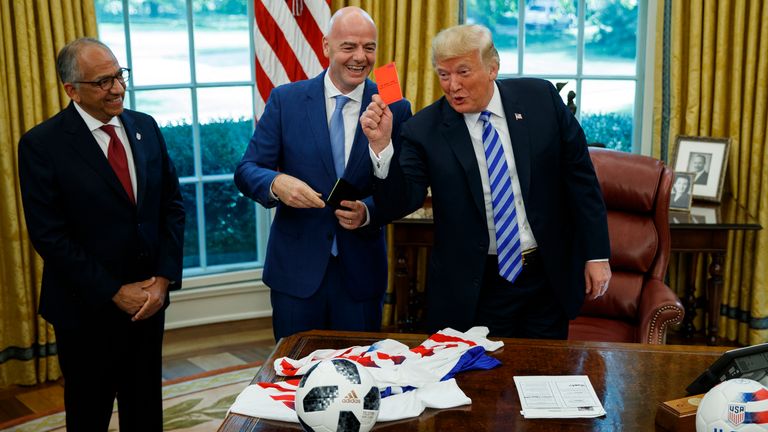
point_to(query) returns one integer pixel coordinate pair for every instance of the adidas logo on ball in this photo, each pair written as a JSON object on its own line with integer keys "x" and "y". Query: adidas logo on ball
{"x": 351, "y": 397}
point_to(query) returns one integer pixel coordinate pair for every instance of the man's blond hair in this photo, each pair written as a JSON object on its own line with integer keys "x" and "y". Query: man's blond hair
{"x": 464, "y": 39}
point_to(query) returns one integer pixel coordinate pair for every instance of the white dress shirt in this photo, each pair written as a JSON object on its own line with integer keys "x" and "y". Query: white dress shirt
{"x": 382, "y": 162}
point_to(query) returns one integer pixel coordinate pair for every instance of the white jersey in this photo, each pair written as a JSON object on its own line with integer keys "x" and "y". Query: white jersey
{"x": 410, "y": 379}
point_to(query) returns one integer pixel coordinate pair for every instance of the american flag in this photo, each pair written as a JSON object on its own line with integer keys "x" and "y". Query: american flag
{"x": 288, "y": 40}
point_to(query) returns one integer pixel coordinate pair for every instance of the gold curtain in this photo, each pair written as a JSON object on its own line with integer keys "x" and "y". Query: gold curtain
{"x": 406, "y": 29}
{"x": 718, "y": 87}
{"x": 31, "y": 34}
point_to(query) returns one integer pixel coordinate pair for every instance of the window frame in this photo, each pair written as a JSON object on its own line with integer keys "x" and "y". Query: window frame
{"x": 204, "y": 274}
{"x": 640, "y": 118}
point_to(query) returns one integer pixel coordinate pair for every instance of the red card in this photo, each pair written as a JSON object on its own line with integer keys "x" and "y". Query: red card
{"x": 388, "y": 83}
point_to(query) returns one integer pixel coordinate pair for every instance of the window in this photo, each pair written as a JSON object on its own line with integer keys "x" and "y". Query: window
{"x": 192, "y": 70}
{"x": 589, "y": 46}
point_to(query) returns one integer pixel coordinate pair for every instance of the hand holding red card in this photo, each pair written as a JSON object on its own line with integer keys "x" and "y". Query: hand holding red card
{"x": 388, "y": 83}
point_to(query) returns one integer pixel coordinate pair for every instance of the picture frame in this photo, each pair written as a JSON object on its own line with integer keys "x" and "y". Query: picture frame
{"x": 705, "y": 215}
{"x": 681, "y": 195}
{"x": 707, "y": 158}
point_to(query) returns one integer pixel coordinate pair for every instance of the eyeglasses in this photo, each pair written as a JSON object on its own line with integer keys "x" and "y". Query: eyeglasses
{"x": 107, "y": 83}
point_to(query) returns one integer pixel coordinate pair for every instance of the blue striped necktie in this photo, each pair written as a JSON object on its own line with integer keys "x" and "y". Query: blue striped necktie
{"x": 504, "y": 212}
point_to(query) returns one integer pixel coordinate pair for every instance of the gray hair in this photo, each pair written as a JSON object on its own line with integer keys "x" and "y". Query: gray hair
{"x": 67, "y": 65}
{"x": 463, "y": 39}
{"x": 343, "y": 11}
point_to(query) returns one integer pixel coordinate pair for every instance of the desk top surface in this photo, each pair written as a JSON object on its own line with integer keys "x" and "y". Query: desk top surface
{"x": 629, "y": 379}
{"x": 728, "y": 215}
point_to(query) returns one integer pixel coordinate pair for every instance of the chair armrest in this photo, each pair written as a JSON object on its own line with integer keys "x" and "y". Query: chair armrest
{"x": 659, "y": 307}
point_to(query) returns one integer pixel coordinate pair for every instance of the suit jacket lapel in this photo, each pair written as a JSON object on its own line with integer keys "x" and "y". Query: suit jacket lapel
{"x": 456, "y": 135}
{"x": 139, "y": 155}
{"x": 83, "y": 142}
{"x": 318, "y": 124}
{"x": 518, "y": 133}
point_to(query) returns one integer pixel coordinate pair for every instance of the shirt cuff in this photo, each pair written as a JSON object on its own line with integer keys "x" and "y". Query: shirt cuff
{"x": 367, "y": 216}
{"x": 382, "y": 161}
{"x": 598, "y": 260}
{"x": 272, "y": 195}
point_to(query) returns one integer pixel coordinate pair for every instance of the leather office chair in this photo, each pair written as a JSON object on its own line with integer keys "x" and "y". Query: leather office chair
{"x": 638, "y": 306}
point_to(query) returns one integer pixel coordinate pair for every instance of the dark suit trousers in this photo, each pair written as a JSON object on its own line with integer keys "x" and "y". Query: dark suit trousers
{"x": 329, "y": 308}
{"x": 526, "y": 308}
{"x": 116, "y": 358}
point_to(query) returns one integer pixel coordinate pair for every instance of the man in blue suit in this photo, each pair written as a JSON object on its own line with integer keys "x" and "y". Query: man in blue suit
{"x": 550, "y": 208}
{"x": 326, "y": 268}
{"x": 103, "y": 209}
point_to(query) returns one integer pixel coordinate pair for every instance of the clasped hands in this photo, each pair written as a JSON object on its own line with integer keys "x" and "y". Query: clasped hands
{"x": 142, "y": 299}
{"x": 295, "y": 193}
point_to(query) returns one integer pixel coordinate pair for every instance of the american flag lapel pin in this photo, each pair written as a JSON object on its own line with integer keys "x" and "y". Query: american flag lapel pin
{"x": 518, "y": 116}
{"x": 138, "y": 136}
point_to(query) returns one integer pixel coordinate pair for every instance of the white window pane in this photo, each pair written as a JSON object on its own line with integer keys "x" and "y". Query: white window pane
{"x": 160, "y": 43}
{"x": 501, "y": 19}
{"x": 610, "y": 37}
{"x": 551, "y": 31}
{"x": 607, "y": 111}
{"x": 225, "y": 115}
{"x": 109, "y": 15}
{"x": 222, "y": 49}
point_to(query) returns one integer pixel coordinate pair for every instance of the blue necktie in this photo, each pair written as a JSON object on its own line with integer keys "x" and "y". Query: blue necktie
{"x": 336, "y": 129}
{"x": 504, "y": 212}
{"x": 337, "y": 134}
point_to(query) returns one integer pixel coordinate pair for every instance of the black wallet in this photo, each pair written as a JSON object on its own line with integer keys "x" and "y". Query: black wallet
{"x": 342, "y": 191}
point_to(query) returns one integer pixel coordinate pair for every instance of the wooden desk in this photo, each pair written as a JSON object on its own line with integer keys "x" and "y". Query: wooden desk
{"x": 629, "y": 379}
{"x": 704, "y": 230}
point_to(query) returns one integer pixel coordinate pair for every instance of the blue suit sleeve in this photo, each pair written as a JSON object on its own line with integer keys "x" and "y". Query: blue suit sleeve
{"x": 260, "y": 163}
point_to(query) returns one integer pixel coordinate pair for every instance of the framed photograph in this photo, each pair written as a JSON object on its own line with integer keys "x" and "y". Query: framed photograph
{"x": 705, "y": 215}
{"x": 707, "y": 159}
{"x": 681, "y": 197}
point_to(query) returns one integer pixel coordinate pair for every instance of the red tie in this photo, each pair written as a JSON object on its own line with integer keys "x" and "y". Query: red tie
{"x": 116, "y": 157}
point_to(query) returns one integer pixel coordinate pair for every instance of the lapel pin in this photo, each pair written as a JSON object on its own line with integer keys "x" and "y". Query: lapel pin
{"x": 138, "y": 136}
{"x": 518, "y": 116}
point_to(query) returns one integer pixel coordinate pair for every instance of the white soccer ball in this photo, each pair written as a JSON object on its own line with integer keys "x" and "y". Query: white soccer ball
{"x": 734, "y": 405}
{"x": 337, "y": 395}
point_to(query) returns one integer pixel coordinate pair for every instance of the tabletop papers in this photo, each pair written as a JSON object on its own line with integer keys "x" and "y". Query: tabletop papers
{"x": 563, "y": 396}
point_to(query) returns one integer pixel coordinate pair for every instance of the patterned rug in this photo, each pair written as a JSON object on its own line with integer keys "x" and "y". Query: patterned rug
{"x": 196, "y": 403}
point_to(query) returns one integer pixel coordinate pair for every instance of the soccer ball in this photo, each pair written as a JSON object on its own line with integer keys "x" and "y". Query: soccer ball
{"x": 734, "y": 405}
{"x": 337, "y": 395}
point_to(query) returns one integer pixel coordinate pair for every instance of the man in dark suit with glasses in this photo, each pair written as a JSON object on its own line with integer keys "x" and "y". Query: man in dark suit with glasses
{"x": 104, "y": 211}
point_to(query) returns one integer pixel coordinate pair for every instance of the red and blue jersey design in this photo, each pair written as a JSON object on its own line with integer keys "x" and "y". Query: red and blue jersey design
{"x": 409, "y": 379}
